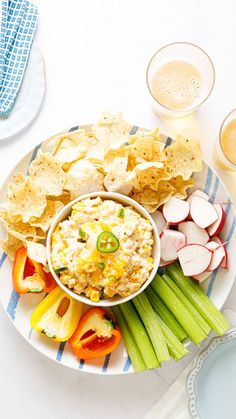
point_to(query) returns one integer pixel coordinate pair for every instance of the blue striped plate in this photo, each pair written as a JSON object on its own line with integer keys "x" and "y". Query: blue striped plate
{"x": 19, "y": 308}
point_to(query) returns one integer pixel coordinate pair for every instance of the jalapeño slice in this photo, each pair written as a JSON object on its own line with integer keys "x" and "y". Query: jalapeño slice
{"x": 107, "y": 242}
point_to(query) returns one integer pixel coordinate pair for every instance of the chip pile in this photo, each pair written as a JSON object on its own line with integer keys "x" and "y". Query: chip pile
{"x": 104, "y": 157}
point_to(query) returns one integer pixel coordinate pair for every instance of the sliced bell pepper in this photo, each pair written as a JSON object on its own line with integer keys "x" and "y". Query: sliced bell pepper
{"x": 29, "y": 276}
{"x": 96, "y": 335}
{"x": 57, "y": 315}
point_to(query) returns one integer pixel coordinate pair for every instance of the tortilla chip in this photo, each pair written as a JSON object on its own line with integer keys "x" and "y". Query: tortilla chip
{"x": 47, "y": 173}
{"x": 116, "y": 178}
{"x": 109, "y": 127}
{"x": 180, "y": 185}
{"x": 184, "y": 157}
{"x": 18, "y": 178}
{"x": 152, "y": 198}
{"x": 18, "y": 229}
{"x": 65, "y": 198}
{"x": 64, "y": 140}
{"x": 83, "y": 177}
{"x": 25, "y": 200}
{"x": 36, "y": 252}
{"x": 96, "y": 154}
{"x": 10, "y": 245}
{"x": 47, "y": 216}
{"x": 147, "y": 147}
{"x": 147, "y": 174}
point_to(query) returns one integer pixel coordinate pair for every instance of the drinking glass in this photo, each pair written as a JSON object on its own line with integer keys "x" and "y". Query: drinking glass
{"x": 182, "y": 51}
{"x": 223, "y": 158}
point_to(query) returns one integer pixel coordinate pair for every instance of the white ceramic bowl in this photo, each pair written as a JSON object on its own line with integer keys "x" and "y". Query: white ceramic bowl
{"x": 126, "y": 201}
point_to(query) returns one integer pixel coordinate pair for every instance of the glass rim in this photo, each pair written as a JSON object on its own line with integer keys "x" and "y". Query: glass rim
{"x": 220, "y": 134}
{"x": 181, "y": 43}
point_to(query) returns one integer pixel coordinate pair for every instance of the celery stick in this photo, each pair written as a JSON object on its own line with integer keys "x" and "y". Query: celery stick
{"x": 191, "y": 308}
{"x": 178, "y": 309}
{"x": 199, "y": 299}
{"x": 165, "y": 314}
{"x": 139, "y": 335}
{"x": 152, "y": 326}
{"x": 132, "y": 349}
{"x": 176, "y": 348}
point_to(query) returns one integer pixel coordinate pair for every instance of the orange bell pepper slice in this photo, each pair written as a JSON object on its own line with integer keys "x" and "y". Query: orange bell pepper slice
{"x": 96, "y": 335}
{"x": 29, "y": 276}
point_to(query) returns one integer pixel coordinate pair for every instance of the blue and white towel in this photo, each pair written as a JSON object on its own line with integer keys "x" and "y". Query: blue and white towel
{"x": 18, "y": 20}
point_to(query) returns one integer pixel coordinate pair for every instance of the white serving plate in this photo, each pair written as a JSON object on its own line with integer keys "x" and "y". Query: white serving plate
{"x": 19, "y": 308}
{"x": 30, "y": 98}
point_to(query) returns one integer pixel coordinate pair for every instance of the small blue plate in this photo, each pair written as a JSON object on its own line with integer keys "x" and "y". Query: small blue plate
{"x": 212, "y": 383}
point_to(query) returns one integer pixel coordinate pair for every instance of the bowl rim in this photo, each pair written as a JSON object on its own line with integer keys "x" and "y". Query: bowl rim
{"x": 156, "y": 251}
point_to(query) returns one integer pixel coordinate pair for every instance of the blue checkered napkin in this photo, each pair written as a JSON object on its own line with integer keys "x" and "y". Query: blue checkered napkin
{"x": 18, "y": 24}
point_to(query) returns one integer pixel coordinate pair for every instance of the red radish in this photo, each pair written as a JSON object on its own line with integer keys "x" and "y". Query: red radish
{"x": 175, "y": 210}
{"x": 194, "y": 259}
{"x": 203, "y": 212}
{"x": 159, "y": 221}
{"x": 218, "y": 254}
{"x": 200, "y": 193}
{"x": 217, "y": 226}
{"x": 164, "y": 263}
{"x": 193, "y": 233}
{"x": 171, "y": 242}
{"x": 201, "y": 277}
{"x": 224, "y": 263}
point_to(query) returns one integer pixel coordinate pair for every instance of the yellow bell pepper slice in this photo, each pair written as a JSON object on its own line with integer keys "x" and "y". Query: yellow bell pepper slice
{"x": 57, "y": 315}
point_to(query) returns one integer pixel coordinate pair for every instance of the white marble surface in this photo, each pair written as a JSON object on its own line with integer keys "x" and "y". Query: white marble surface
{"x": 95, "y": 54}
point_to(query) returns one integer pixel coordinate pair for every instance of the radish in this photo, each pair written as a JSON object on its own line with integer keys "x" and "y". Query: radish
{"x": 203, "y": 212}
{"x": 194, "y": 258}
{"x": 200, "y": 193}
{"x": 159, "y": 221}
{"x": 218, "y": 255}
{"x": 171, "y": 242}
{"x": 201, "y": 277}
{"x": 217, "y": 226}
{"x": 224, "y": 263}
{"x": 175, "y": 210}
{"x": 164, "y": 263}
{"x": 193, "y": 233}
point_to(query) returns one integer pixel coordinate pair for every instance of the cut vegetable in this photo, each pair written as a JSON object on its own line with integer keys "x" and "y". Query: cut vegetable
{"x": 139, "y": 335}
{"x": 175, "y": 210}
{"x": 176, "y": 348}
{"x": 191, "y": 309}
{"x": 217, "y": 226}
{"x": 224, "y": 263}
{"x": 203, "y": 212}
{"x": 164, "y": 263}
{"x": 200, "y": 193}
{"x": 165, "y": 314}
{"x": 171, "y": 242}
{"x": 218, "y": 255}
{"x": 199, "y": 299}
{"x": 96, "y": 335}
{"x": 178, "y": 309}
{"x": 201, "y": 277}
{"x": 194, "y": 259}
{"x": 194, "y": 233}
{"x": 107, "y": 242}
{"x": 152, "y": 326}
{"x": 132, "y": 349}
{"x": 159, "y": 221}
